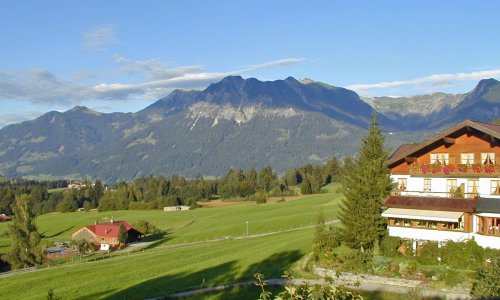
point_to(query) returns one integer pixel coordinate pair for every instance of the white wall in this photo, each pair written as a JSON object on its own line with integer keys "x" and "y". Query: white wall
{"x": 486, "y": 241}
{"x": 428, "y": 235}
{"x": 415, "y": 186}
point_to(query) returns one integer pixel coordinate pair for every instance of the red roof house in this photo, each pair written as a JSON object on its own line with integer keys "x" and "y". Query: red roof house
{"x": 106, "y": 233}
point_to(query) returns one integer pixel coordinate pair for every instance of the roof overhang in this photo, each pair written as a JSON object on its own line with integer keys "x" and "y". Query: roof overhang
{"x": 445, "y": 137}
{"x": 488, "y": 215}
{"x": 426, "y": 215}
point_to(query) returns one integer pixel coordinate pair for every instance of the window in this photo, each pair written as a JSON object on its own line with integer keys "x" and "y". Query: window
{"x": 473, "y": 186}
{"x": 495, "y": 187}
{"x": 488, "y": 158}
{"x": 427, "y": 184}
{"x": 451, "y": 185}
{"x": 402, "y": 184}
{"x": 440, "y": 158}
{"x": 467, "y": 158}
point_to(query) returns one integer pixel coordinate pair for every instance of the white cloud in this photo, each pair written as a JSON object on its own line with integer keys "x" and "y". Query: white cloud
{"x": 435, "y": 79}
{"x": 275, "y": 63}
{"x": 17, "y": 117}
{"x": 40, "y": 86}
{"x": 99, "y": 38}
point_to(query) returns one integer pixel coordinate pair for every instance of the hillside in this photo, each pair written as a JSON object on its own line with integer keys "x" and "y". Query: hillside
{"x": 440, "y": 110}
{"x": 235, "y": 123}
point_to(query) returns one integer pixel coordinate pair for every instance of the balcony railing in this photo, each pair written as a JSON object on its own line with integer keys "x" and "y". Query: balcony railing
{"x": 435, "y": 194}
{"x": 451, "y": 170}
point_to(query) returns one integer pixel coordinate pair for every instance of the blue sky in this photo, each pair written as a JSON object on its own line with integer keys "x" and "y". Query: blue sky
{"x": 124, "y": 55}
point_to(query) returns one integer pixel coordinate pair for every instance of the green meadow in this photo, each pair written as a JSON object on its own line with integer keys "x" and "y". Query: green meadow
{"x": 163, "y": 269}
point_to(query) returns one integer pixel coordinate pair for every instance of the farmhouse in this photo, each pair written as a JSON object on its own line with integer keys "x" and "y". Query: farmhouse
{"x": 448, "y": 187}
{"x": 106, "y": 233}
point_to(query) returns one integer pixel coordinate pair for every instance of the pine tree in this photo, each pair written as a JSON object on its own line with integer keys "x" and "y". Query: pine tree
{"x": 366, "y": 184}
{"x": 25, "y": 250}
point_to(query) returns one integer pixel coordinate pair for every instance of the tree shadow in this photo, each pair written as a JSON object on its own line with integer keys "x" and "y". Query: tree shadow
{"x": 98, "y": 295}
{"x": 223, "y": 274}
{"x": 156, "y": 240}
{"x": 57, "y": 233}
{"x": 274, "y": 266}
{"x": 169, "y": 284}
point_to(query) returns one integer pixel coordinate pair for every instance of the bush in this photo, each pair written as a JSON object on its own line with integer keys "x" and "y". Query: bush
{"x": 305, "y": 291}
{"x": 389, "y": 246}
{"x": 259, "y": 198}
{"x": 428, "y": 253}
{"x": 407, "y": 268}
{"x": 453, "y": 278}
{"x": 463, "y": 255}
{"x": 380, "y": 263}
{"x": 146, "y": 227}
{"x": 352, "y": 260}
{"x": 486, "y": 281}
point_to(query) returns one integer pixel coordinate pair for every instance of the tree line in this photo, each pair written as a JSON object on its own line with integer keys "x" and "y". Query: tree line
{"x": 156, "y": 192}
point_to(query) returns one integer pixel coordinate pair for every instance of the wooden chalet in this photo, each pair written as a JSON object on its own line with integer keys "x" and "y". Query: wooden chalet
{"x": 448, "y": 187}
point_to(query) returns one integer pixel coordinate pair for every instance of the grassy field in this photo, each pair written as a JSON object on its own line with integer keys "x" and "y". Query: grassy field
{"x": 199, "y": 224}
{"x": 166, "y": 271}
{"x": 162, "y": 270}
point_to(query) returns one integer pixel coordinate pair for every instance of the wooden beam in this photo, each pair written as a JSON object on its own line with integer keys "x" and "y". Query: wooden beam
{"x": 448, "y": 140}
{"x": 410, "y": 159}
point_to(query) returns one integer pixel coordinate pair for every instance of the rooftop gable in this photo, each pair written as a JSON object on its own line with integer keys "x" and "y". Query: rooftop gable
{"x": 109, "y": 229}
{"x": 408, "y": 150}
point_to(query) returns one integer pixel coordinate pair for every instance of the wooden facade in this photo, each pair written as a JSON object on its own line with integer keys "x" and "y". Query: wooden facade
{"x": 468, "y": 142}
{"x": 455, "y": 173}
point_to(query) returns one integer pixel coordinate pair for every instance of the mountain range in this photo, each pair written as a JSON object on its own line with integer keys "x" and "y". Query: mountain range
{"x": 235, "y": 123}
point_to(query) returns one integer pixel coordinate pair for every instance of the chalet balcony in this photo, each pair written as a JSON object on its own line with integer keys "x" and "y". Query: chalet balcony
{"x": 451, "y": 170}
{"x": 435, "y": 194}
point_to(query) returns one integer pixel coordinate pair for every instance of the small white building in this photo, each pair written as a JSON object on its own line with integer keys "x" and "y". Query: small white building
{"x": 176, "y": 208}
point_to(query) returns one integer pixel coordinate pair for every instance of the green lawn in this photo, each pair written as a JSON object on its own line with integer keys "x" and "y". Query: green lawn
{"x": 199, "y": 224}
{"x": 165, "y": 271}
{"x": 161, "y": 270}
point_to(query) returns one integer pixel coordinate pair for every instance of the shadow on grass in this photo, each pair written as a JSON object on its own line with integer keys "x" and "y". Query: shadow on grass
{"x": 274, "y": 266}
{"x": 156, "y": 240}
{"x": 225, "y": 273}
{"x": 57, "y": 233}
{"x": 98, "y": 295}
{"x": 164, "y": 285}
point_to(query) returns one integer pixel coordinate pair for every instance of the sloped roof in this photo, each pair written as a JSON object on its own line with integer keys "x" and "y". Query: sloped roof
{"x": 431, "y": 203}
{"x": 488, "y": 205}
{"x": 410, "y": 149}
{"x": 109, "y": 229}
{"x": 402, "y": 149}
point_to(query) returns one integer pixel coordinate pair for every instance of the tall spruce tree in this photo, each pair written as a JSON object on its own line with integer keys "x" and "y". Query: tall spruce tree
{"x": 366, "y": 184}
{"x": 25, "y": 250}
